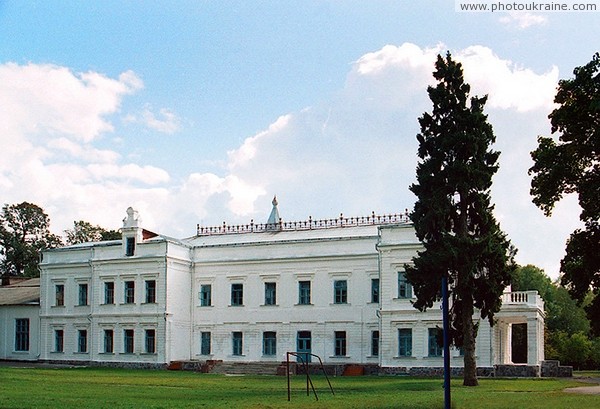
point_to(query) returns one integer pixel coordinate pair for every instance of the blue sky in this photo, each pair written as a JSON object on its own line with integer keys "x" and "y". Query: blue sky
{"x": 200, "y": 111}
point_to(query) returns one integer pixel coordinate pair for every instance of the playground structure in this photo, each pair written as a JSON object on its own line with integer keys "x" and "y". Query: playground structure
{"x": 304, "y": 360}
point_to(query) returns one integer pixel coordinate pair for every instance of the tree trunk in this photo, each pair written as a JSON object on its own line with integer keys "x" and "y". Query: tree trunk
{"x": 470, "y": 363}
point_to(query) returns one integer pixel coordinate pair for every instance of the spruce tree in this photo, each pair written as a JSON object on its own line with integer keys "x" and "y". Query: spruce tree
{"x": 453, "y": 214}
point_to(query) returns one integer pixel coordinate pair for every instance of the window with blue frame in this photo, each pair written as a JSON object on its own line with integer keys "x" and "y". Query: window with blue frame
{"x": 205, "y": 295}
{"x": 374, "y": 290}
{"x": 404, "y": 287}
{"x": 269, "y": 343}
{"x": 270, "y": 293}
{"x": 304, "y": 292}
{"x": 435, "y": 347}
{"x": 22, "y": 334}
{"x": 237, "y": 294}
{"x": 405, "y": 342}
{"x": 237, "y": 343}
{"x": 205, "y": 343}
{"x": 340, "y": 343}
{"x": 340, "y": 292}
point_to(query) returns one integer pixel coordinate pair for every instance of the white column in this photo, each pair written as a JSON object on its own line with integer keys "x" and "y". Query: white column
{"x": 535, "y": 339}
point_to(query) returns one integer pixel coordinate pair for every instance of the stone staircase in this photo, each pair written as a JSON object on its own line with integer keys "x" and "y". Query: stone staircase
{"x": 247, "y": 368}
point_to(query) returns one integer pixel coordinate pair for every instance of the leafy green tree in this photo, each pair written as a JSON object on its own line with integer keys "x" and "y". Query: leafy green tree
{"x": 24, "y": 232}
{"x": 563, "y": 316}
{"x": 530, "y": 277}
{"x": 574, "y": 349}
{"x": 453, "y": 214}
{"x": 572, "y": 165}
{"x": 83, "y": 232}
{"x": 594, "y": 358}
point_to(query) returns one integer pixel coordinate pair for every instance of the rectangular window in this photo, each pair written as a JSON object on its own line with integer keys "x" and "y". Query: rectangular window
{"x": 128, "y": 341}
{"x": 150, "y": 341}
{"x": 59, "y": 340}
{"x": 404, "y": 287}
{"x": 83, "y": 294}
{"x": 60, "y": 295}
{"x": 435, "y": 335}
{"x": 270, "y": 293}
{"x": 375, "y": 343}
{"x": 150, "y": 291}
{"x": 205, "y": 295}
{"x": 205, "y": 343}
{"x": 22, "y": 334}
{"x": 109, "y": 292}
{"x": 109, "y": 346}
{"x": 340, "y": 343}
{"x": 340, "y": 292}
{"x": 237, "y": 294}
{"x": 375, "y": 290}
{"x": 405, "y": 342}
{"x": 130, "y": 246}
{"x": 82, "y": 340}
{"x": 269, "y": 343}
{"x": 129, "y": 292}
{"x": 304, "y": 292}
{"x": 237, "y": 343}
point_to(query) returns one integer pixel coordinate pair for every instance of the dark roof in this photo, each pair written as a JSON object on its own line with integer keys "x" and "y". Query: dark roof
{"x": 22, "y": 293}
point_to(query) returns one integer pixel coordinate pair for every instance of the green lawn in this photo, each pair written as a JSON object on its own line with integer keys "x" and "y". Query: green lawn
{"x": 117, "y": 388}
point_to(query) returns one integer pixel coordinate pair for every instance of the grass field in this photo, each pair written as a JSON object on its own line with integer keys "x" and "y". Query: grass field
{"x": 118, "y": 388}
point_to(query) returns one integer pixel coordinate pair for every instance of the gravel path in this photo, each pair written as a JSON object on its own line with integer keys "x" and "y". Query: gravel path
{"x": 587, "y": 390}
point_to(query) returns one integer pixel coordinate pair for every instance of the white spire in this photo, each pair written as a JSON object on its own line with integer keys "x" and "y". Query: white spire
{"x": 273, "y": 223}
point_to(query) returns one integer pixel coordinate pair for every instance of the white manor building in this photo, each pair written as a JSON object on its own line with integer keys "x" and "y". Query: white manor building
{"x": 246, "y": 294}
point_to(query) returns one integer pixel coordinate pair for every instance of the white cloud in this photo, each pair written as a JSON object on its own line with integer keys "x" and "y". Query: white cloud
{"x": 357, "y": 152}
{"x": 47, "y": 99}
{"x": 507, "y": 85}
{"x": 523, "y": 20}
{"x": 354, "y": 153}
{"x": 165, "y": 121}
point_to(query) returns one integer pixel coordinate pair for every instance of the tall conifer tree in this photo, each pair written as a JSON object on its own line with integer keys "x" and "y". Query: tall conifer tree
{"x": 453, "y": 214}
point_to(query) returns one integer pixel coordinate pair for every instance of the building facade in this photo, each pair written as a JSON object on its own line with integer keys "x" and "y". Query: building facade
{"x": 333, "y": 288}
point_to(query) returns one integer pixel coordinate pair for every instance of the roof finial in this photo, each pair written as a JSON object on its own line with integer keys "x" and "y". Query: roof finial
{"x": 274, "y": 221}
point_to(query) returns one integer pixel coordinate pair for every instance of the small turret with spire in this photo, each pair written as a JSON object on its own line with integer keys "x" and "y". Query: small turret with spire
{"x": 274, "y": 221}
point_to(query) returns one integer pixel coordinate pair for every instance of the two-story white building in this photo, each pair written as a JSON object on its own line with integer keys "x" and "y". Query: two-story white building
{"x": 334, "y": 288}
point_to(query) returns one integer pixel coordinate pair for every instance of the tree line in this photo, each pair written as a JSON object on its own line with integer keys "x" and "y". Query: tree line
{"x": 25, "y": 232}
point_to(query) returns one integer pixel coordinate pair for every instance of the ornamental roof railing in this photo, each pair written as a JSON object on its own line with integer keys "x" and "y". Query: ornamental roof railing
{"x": 309, "y": 224}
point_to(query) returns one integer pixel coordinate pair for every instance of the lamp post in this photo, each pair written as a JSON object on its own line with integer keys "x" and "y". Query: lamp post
{"x": 446, "y": 342}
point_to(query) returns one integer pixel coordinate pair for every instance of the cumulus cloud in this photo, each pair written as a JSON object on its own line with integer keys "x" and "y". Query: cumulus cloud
{"x": 507, "y": 85}
{"x": 354, "y": 153}
{"x": 51, "y": 120}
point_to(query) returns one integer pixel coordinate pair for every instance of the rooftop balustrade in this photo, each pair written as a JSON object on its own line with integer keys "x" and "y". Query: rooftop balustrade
{"x": 525, "y": 298}
{"x": 309, "y": 224}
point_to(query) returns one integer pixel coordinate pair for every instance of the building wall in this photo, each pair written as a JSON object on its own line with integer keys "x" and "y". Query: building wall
{"x": 95, "y": 267}
{"x": 8, "y": 316}
{"x": 321, "y": 262}
{"x": 356, "y": 255}
{"x": 178, "y": 304}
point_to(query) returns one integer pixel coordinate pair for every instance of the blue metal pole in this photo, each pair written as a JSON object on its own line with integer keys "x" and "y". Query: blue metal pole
{"x": 446, "y": 343}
